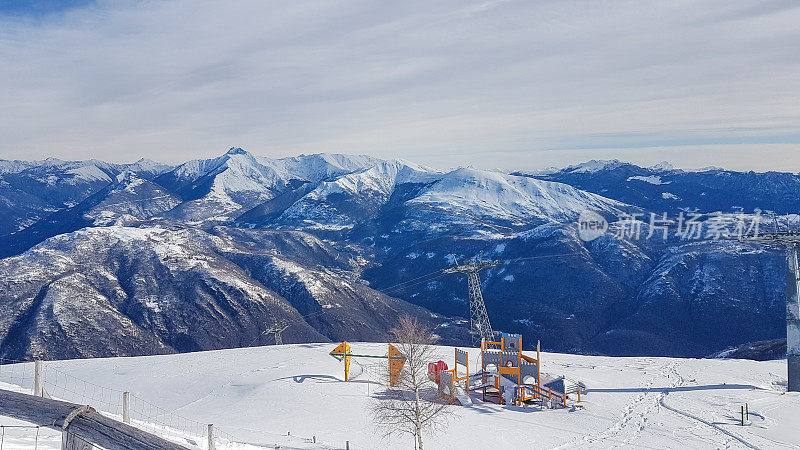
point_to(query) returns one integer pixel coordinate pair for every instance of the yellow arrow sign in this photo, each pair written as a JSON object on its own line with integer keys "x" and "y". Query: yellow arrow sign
{"x": 343, "y": 352}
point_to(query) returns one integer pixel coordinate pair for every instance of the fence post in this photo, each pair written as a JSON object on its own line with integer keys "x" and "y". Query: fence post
{"x": 347, "y": 445}
{"x": 211, "y": 444}
{"x": 37, "y": 378}
{"x": 69, "y": 440}
{"x": 126, "y": 407}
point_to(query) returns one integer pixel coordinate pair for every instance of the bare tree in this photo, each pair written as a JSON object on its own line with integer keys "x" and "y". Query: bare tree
{"x": 413, "y": 405}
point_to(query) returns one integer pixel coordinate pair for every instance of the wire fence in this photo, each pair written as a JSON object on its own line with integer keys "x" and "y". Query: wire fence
{"x": 143, "y": 414}
{"x": 18, "y": 373}
{"x": 9, "y": 439}
{"x": 63, "y": 386}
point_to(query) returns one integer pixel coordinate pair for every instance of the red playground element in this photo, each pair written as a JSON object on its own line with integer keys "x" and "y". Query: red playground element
{"x": 447, "y": 379}
{"x": 435, "y": 371}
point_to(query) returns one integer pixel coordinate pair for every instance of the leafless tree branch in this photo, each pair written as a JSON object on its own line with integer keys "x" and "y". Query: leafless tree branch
{"x": 413, "y": 406}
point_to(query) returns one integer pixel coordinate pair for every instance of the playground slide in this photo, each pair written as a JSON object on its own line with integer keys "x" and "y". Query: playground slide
{"x": 508, "y": 390}
{"x": 462, "y": 396}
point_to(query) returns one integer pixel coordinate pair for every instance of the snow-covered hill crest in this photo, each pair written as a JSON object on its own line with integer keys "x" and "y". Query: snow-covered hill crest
{"x": 512, "y": 197}
{"x": 295, "y": 396}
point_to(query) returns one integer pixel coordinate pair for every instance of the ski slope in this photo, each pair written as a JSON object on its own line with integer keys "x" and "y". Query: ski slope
{"x": 261, "y": 394}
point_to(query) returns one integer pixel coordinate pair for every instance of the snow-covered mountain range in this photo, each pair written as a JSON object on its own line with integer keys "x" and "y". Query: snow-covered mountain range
{"x": 664, "y": 188}
{"x": 153, "y": 258}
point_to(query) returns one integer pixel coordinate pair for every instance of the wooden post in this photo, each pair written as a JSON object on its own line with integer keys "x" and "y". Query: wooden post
{"x": 347, "y": 445}
{"x": 314, "y": 439}
{"x": 126, "y": 407}
{"x": 70, "y": 440}
{"x": 211, "y": 444}
{"x": 742, "y": 415}
{"x": 579, "y": 395}
{"x": 467, "y": 374}
{"x": 538, "y": 366}
{"x": 455, "y": 363}
{"x": 37, "y": 378}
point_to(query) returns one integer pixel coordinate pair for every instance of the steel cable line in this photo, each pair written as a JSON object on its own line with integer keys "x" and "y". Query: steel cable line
{"x": 587, "y": 252}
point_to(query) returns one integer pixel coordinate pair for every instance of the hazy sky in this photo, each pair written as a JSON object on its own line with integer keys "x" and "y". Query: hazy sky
{"x": 509, "y": 84}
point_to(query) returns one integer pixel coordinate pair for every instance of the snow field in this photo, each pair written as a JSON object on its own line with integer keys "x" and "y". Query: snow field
{"x": 259, "y": 395}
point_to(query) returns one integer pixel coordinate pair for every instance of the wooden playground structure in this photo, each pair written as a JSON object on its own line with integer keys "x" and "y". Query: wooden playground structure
{"x": 504, "y": 360}
{"x": 395, "y": 360}
{"x": 506, "y": 375}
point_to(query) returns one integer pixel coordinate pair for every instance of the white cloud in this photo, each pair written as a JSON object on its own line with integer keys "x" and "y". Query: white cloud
{"x": 516, "y": 84}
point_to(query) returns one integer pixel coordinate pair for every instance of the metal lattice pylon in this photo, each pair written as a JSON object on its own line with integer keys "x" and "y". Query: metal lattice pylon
{"x": 791, "y": 240}
{"x": 479, "y": 325}
{"x": 277, "y": 330}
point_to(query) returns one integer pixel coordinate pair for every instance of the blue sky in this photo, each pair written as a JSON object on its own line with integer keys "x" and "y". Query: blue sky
{"x": 38, "y": 8}
{"x": 490, "y": 83}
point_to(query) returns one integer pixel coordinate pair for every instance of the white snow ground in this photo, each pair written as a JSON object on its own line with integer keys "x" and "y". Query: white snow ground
{"x": 260, "y": 394}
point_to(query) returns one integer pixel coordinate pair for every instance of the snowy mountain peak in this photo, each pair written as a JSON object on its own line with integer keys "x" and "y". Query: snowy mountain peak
{"x": 487, "y": 193}
{"x": 595, "y": 165}
{"x": 322, "y": 166}
{"x": 663, "y": 166}
{"x": 148, "y": 166}
{"x": 7, "y": 166}
{"x": 710, "y": 169}
{"x": 380, "y": 178}
{"x": 236, "y": 151}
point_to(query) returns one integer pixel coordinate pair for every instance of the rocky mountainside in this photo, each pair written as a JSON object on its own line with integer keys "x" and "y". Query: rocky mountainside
{"x": 133, "y": 291}
{"x": 126, "y": 198}
{"x": 208, "y": 253}
{"x": 32, "y": 190}
{"x": 757, "y": 351}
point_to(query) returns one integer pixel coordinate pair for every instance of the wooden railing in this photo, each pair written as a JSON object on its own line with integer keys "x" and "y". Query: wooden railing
{"x": 81, "y": 425}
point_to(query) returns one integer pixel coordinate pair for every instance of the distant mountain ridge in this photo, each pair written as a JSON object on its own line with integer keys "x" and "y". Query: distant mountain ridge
{"x": 360, "y": 240}
{"x": 31, "y": 190}
{"x": 663, "y": 188}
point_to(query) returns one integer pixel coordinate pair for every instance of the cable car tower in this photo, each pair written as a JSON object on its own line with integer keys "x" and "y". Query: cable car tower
{"x": 277, "y": 329}
{"x": 791, "y": 240}
{"x": 479, "y": 325}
